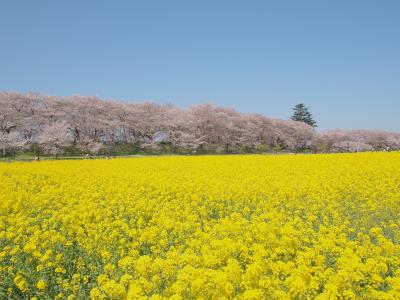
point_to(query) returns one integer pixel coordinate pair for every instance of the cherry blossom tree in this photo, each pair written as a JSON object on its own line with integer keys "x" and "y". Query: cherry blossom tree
{"x": 53, "y": 138}
{"x": 90, "y": 124}
{"x": 358, "y": 140}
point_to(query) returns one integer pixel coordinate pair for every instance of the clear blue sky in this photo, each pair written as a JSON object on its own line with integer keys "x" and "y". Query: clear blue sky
{"x": 341, "y": 58}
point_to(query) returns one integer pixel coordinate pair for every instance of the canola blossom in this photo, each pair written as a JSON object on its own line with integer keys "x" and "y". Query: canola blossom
{"x": 211, "y": 227}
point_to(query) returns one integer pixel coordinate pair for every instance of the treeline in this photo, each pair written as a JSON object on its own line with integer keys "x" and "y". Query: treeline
{"x": 77, "y": 125}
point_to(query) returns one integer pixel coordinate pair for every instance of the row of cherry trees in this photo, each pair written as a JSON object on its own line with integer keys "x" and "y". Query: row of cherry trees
{"x": 357, "y": 140}
{"x": 88, "y": 124}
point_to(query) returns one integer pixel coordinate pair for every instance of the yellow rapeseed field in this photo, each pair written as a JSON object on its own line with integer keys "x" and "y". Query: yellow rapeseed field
{"x": 210, "y": 227}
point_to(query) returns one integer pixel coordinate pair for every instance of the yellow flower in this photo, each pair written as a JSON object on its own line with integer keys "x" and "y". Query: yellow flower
{"x": 21, "y": 283}
{"x": 114, "y": 290}
{"x": 60, "y": 270}
{"x": 41, "y": 285}
{"x": 125, "y": 279}
{"x": 204, "y": 227}
{"x": 96, "y": 294}
{"x": 102, "y": 279}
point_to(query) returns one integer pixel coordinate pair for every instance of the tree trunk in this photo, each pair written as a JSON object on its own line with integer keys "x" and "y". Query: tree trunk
{"x": 226, "y": 148}
{"x": 4, "y": 151}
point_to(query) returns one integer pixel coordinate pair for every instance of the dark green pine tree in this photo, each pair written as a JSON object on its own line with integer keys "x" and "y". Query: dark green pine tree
{"x": 302, "y": 114}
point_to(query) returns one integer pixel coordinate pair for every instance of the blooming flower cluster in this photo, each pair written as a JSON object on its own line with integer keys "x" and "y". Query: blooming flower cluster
{"x": 210, "y": 227}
